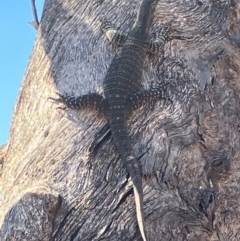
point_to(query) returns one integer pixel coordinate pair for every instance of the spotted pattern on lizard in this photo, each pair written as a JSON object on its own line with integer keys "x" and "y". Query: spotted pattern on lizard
{"x": 123, "y": 90}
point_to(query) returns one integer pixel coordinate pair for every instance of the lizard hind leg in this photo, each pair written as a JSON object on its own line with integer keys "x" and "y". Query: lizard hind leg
{"x": 138, "y": 99}
{"x": 111, "y": 33}
{"x": 135, "y": 174}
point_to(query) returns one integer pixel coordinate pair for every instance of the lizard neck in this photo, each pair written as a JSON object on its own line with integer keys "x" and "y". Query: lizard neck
{"x": 144, "y": 17}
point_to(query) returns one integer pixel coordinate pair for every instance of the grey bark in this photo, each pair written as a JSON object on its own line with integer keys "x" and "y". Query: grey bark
{"x": 51, "y": 188}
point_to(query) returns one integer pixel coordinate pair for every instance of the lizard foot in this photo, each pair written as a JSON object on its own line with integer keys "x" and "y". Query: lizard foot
{"x": 58, "y": 100}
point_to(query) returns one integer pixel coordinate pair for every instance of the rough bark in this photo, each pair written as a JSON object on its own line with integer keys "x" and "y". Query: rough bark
{"x": 51, "y": 188}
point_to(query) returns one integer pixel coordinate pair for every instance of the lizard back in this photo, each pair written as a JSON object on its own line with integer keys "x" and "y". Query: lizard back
{"x": 124, "y": 77}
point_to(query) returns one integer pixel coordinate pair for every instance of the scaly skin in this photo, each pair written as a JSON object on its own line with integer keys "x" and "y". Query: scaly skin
{"x": 123, "y": 92}
{"x": 124, "y": 78}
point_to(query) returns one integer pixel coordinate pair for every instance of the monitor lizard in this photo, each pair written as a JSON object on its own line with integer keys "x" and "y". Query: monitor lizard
{"x": 123, "y": 91}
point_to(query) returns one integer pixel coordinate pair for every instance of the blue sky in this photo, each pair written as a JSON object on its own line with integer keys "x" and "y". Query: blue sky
{"x": 16, "y": 43}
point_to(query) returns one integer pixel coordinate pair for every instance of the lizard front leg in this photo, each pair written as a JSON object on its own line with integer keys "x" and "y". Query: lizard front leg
{"x": 111, "y": 33}
{"x": 155, "y": 45}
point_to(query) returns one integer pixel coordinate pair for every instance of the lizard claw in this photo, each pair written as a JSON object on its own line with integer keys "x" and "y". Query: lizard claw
{"x": 176, "y": 34}
{"x": 103, "y": 19}
{"x": 163, "y": 33}
{"x": 57, "y": 100}
{"x": 168, "y": 33}
{"x": 105, "y": 24}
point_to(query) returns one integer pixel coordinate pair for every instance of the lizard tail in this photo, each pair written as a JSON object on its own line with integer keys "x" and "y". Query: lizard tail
{"x": 138, "y": 193}
{"x": 124, "y": 148}
{"x": 139, "y": 212}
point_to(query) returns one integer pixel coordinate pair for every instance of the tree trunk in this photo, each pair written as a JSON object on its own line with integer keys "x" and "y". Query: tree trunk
{"x": 53, "y": 188}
